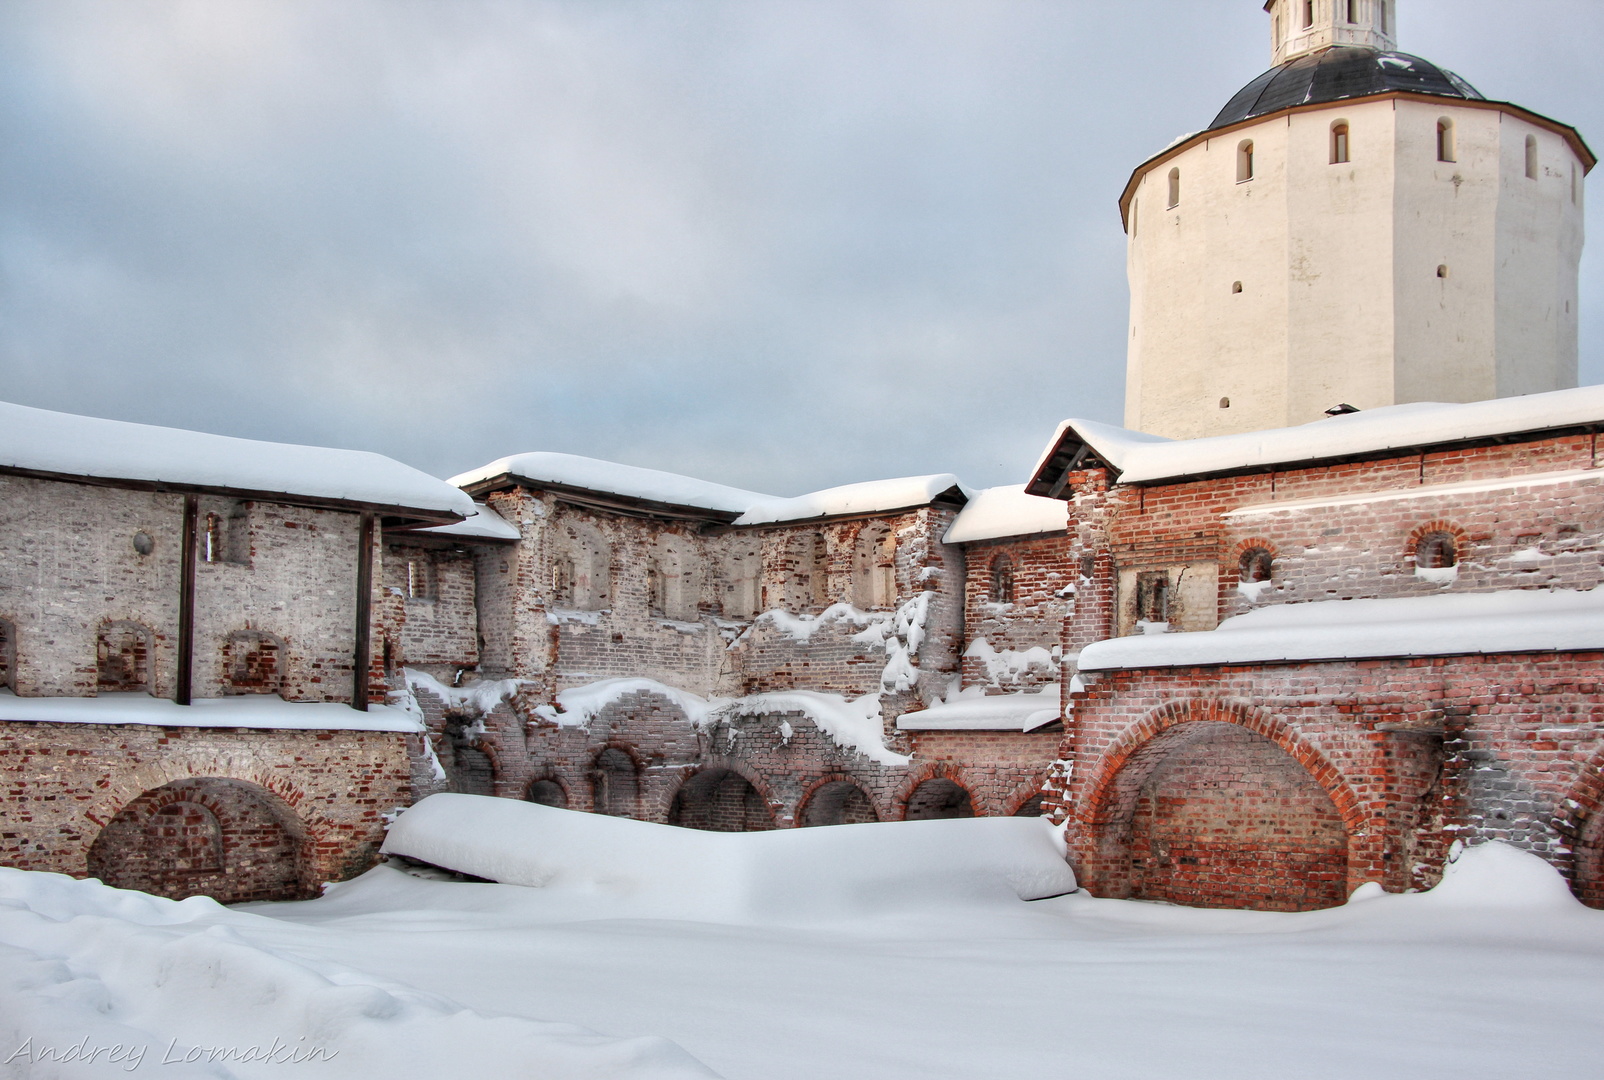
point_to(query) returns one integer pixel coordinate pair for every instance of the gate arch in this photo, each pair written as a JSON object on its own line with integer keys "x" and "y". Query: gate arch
{"x": 719, "y": 798}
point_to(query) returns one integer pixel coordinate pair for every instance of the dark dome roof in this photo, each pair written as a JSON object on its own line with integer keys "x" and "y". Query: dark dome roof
{"x": 1338, "y": 74}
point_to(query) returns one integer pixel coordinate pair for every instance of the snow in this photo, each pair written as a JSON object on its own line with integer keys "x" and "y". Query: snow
{"x": 992, "y": 513}
{"x": 267, "y": 711}
{"x": 71, "y": 445}
{"x": 1142, "y": 458}
{"x": 1004, "y": 664}
{"x": 975, "y": 710}
{"x": 854, "y": 724}
{"x": 634, "y": 867}
{"x": 1442, "y": 625}
{"x": 873, "y": 496}
{"x": 629, "y": 481}
{"x": 483, "y": 524}
{"x": 861, "y": 960}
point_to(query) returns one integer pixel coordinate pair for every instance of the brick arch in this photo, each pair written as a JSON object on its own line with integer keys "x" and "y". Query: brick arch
{"x": 1231, "y": 571}
{"x": 676, "y": 807}
{"x": 1581, "y": 821}
{"x": 805, "y": 803}
{"x": 1111, "y": 782}
{"x": 197, "y": 765}
{"x": 1022, "y": 794}
{"x": 1438, "y": 525}
{"x": 940, "y": 770}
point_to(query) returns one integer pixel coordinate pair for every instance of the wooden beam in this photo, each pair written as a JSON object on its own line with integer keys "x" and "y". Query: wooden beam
{"x": 186, "y": 602}
{"x": 364, "y": 613}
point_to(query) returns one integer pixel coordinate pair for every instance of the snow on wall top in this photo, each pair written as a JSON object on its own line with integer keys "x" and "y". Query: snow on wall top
{"x": 1142, "y": 458}
{"x": 1006, "y": 511}
{"x": 483, "y": 524}
{"x": 1459, "y": 624}
{"x": 870, "y": 497}
{"x": 53, "y": 442}
{"x": 262, "y": 711}
{"x": 611, "y": 478}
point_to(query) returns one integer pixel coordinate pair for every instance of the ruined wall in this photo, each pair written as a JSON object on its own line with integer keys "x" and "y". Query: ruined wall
{"x": 1018, "y": 594}
{"x": 1412, "y": 754}
{"x": 66, "y": 783}
{"x": 435, "y": 584}
{"x": 90, "y": 583}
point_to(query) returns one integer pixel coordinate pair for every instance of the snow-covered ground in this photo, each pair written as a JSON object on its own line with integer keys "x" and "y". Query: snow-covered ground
{"x": 629, "y": 962}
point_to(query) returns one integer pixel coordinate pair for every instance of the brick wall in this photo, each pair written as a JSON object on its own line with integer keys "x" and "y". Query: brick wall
{"x": 66, "y": 786}
{"x": 1411, "y": 754}
{"x": 1043, "y": 573}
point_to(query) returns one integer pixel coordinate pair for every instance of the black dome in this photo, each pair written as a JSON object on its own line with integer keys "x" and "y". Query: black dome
{"x": 1338, "y": 74}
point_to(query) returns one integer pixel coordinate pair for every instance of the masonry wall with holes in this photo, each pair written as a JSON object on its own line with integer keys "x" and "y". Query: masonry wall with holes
{"x": 1017, "y": 595}
{"x": 90, "y": 592}
{"x": 232, "y": 813}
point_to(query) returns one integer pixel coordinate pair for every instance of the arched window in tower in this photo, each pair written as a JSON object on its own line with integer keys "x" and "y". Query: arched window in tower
{"x": 1339, "y": 143}
{"x": 1136, "y": 204}
{"x": 1386, "y": 17}
{"x": 1445, "y": 140}
{"x": 1531, "y": 157}
{"x": 1175, "y": 188}
{"x": 1353, "y": 12}
{"x": 1244, "y": 161}
{"x": 1308, "y": 14}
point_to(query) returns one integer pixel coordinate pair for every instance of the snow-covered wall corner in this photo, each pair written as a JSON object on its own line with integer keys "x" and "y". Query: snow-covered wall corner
{"x": 995, "y": 513}
{"x": 870, "y": 497}
{"x": 593, "y": 474}
{"x": 479, "y": 697}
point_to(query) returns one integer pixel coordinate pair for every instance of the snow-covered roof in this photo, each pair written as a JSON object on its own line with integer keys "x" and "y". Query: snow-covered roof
{"x": 870, "y": 497}
{"x": 1140, "y": 458}
{"x": 985, "y": 712}
{"x": 611, "y": 478}
{"x": 244, "y": 711}
{"x": 63, "y": 444}
{"x": 1455, "y": 624}
{"x": 483, "y": 524}
{"x": 992, "y": 513}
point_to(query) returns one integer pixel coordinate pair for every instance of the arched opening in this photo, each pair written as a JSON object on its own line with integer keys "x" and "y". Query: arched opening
{"x": 122, "y": 658}
{"x": 939, "y": 798}
{"x": 253, "y": 663}
{"x": 1531, "y": 157}
{"x": 1212, "y": 814}
{"x": 615, "y": 787}
{"x": 1031, "y": 807}
{"x": 839, "y": 802}
{"x": 1437, "y": 550}
{"x": 1175, "y": 188}
{"x": 1244, "y": 161}
{"x": 1339, "y": 142}
{"x": 1256, "y": 564}
{"x": 1002, "y": 580}
{"x": 1308, "y": 14}
{"x": 720, "y": 800}
{"x": 1445, "y": 140}
{"x": 807, "y": 572}
{"x": 547, "y": 793}
{"x": 228, "y": 839}
{"x": 874, "y": 561}
{"x": 581, "y": 569}
{"x": 656, "y": 590}
{"x": 469, "y": 770}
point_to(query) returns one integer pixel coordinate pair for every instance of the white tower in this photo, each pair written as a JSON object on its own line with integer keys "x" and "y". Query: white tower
{"x": 1357, "y": 226}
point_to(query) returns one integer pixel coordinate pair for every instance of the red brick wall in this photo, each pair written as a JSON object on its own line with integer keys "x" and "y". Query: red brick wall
{"x": 1045, "y": 574}
{"x": 65, "y": 783}
{"x": 1411, "y": 753}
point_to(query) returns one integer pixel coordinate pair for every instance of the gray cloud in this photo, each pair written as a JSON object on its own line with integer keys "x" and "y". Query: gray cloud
{"x": 780, "y": 245}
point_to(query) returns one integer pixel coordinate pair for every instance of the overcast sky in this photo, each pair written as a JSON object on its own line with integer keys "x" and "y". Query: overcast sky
{"x": 781, "y": 244}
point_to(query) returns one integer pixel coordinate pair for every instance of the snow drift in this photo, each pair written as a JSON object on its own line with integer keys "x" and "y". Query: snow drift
{"x": 671, "y": 872}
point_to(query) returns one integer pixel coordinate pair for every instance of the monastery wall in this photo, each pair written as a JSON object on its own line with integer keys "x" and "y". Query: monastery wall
{"x": 1017, "y": 595}
{"x": 257, "y": 814}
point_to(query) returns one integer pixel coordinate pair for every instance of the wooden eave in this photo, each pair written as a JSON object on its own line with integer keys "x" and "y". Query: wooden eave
{"x": 393, "y": 517}
{"x": 1571, "y": 135}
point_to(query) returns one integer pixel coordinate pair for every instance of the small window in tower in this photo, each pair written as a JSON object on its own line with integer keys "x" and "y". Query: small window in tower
{"x": 1244, "y": 161}
{"x": 1353, "y": 12}
{"x": 1339, "y": 143}
{"x": 1225, "y": 403}
{"x": 1442, "y": 270}
{"x": 1175, "y": 188}
{"x": 1386, "y": 21}
{"x": 1236, "y": 287}
{"x": 1445, "y": 140}
{"x": 1136, "y": 204}
{"x": 1531, "y": 157}
{"x": 1575, "y": 188}
{"x": 1308, "y": 13}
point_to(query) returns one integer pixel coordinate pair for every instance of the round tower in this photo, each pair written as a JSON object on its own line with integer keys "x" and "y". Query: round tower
{"x": 1357, "y": 226}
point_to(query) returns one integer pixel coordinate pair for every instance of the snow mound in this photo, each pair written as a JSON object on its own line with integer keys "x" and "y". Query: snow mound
{"x": 96, "y": 982}
{"x": 1503, "y": 876}
{"x": 993, "y": 513}
{"x": 608, "y": 477}
{"x": 666, "y": 872}
{"x": 868, "y": 497}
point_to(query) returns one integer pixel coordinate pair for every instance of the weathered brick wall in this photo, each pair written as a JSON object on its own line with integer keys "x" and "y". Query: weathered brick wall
{"x": 1044, "y": 573}
{"x": 1411, "y": 754}
{"x": 71, "y": 565}
{"x": 436, "y": 589}
{"x": 1000, "y": 770}
{"x": 65, "y": 783}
